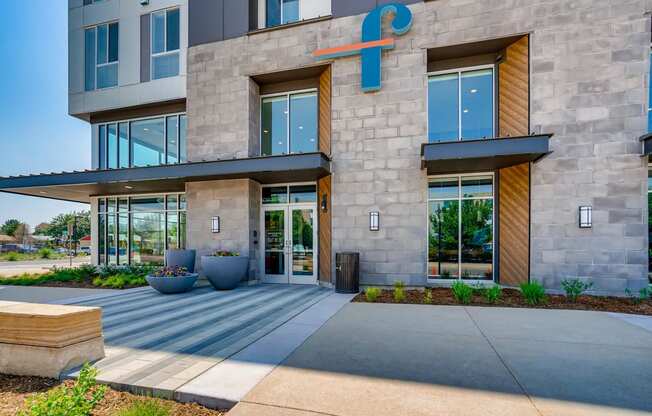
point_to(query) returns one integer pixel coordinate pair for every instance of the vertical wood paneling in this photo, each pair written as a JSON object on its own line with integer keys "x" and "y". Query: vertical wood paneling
{"x": 325, "y": 111}
{"x": 513, "y": 90}
{"x": 514, "y": 184}
{"x": 325, "y": 252}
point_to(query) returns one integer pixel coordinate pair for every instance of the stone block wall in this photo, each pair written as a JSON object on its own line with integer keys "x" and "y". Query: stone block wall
{"x": 589, "y": 74}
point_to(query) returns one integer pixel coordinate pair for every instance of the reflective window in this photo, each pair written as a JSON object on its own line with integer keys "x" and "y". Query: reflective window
{"x": 303, "y": 123}
{"x": 183, "y": 125}
{"x": 112, "y": 145}
{"x": 649, "y": 109}
{"x": 275, "y": 195}
{"x": 281, "y": 12}
{"x": 123, "y": 144}
{"x": 303, "y": 193}
{"x": 461, "y": 105}
{"x": 172, "y": 132}
{"x": 165, "y": 43}
{"x": 289, "y": 124}
{"x": 101, "y": 51}
{"x": 139, "y": 229}
{"x": 148, "y": 142}
{"x": 460, "y": 233}
{"x": 102, "y": 147}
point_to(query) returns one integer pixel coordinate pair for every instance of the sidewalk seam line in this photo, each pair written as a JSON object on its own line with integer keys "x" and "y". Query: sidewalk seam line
{"x": 288, "y": 407}
{"x": 521, "y": 386}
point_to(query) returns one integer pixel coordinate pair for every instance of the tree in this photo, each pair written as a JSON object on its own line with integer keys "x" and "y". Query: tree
{"x": 41, "y": 229}
{"x": 59, "y": 224}
{"x": 9, "y": 227}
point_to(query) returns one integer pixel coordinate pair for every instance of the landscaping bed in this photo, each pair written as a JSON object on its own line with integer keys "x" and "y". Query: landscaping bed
{"x": 513, "y": 298}
{"x": 15, "y": 389}
{"x": 85, "y": 277}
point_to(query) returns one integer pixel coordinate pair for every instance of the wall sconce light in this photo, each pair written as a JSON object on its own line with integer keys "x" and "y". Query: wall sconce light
{"x": 586, "y": 217}
{"x": 215, "y": 225}
{"x": 324, "y": 202}
{"x": 374, "y": 221}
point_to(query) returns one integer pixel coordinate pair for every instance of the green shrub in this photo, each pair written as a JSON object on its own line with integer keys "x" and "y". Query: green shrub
{"x": 462, "y": 292}
{"x": 145, "y": 408}
{"x": 574, "y": 288}
{"x": 427, "y": 296}
{"x": 78, "y": 400}
{"x": 372, "y": 293}
{"x": 399, "y": 291}
{"x": 533, "y": 293}
{"x": 492, "y": 294}
{"x": 119, "y": 281}
{"x": 45, "y": 253}
{"x": 12, "y": 256}
{"x": 643, "y": 294}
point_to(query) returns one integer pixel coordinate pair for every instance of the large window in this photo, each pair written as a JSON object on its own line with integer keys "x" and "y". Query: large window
{"x": 144, "y": 142}
{"x": 101, "y": 56}
{"x": 649, "y": 218}
{"x": 138, "y": 229}
{"x": 165, "y": 43}
{"x": 280, "y": 12}
{"x": 460, "y": 233}
{"x": 461, "y": 105}
{"x": 289, "y": 123}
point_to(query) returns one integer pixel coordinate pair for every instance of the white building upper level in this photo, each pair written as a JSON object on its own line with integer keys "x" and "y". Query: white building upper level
{"x": 125, "y": 53}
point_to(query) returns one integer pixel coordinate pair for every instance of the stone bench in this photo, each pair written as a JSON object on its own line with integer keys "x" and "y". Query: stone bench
{"x": 44, "y": 340}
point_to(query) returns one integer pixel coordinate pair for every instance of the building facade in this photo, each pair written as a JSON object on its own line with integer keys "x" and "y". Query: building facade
{"x": 442, "y": 140}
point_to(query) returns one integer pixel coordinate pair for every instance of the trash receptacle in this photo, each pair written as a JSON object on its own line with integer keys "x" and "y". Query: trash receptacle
{"x": 348, "y": 272}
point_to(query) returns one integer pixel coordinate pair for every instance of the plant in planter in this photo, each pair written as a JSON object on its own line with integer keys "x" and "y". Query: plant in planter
{"x": 170, "y": 280}
{"x": 225, "y": 269}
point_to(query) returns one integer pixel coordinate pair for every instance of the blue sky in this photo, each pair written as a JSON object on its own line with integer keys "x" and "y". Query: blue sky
{"x": 37, "y": 134}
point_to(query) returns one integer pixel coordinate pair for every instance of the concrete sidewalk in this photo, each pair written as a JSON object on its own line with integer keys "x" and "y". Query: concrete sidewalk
{"x": 373, "y": 359}
{"x": 35, "y": 294}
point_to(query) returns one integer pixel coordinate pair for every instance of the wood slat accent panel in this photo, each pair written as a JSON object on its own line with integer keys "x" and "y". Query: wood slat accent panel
{"x": 514, "y": 224}
{"x": 325, "y": 97}
{"x": 513, "y": 90}
{"x": 325, "y": 251}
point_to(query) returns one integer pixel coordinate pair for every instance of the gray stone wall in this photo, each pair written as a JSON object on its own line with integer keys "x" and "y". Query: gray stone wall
{"x": 589, "y": 67}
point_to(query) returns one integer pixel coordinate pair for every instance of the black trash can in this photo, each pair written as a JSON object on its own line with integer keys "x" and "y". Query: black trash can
{"x": 347, "y": 266}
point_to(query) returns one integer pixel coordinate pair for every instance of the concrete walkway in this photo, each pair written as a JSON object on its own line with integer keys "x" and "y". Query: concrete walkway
{"x": 36, "y": 294}
{"x": 206, "y": 346}
{"x": 446, "y": 360}
{"x": 16, "y": 268}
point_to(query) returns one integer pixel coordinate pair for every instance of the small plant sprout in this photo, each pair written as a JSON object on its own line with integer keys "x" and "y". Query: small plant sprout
{"x": 574, "y": 288}
{"x": 493, "y": 294}
{"x": 533, "y": 293}
{"x": 371, "y": 294}
{"x": 427, "y": 296}
{"x": 399, "y": 291}
{"x": 462, "y": 292}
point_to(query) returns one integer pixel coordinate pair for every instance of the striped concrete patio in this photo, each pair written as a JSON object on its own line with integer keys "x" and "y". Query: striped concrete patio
{"x": 155, "y": 344}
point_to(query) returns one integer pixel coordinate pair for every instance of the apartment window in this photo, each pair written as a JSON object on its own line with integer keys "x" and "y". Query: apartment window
{"x": 280, "y": 12}
{"x": 165, "y": 43}
{"x": 142, "y": 142}
{"x": 649, "y": 108}
{"x": 289, "y": 123}
{"x": 87, "y": 2}
{"x": 138, "y": 229}
{"x": 101, "y": 56}
{"x": 461, "y": 104}
{"x": 460, "y": 232}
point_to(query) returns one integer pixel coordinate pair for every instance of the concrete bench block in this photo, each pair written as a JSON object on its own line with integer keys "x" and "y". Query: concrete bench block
{"x": 44, "y": 340}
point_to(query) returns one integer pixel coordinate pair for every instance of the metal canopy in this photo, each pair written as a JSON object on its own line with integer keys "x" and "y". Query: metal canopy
{"x": 646, "y": 141}
{"x": 81, "y": 186}
{"x": 483, "y": 155}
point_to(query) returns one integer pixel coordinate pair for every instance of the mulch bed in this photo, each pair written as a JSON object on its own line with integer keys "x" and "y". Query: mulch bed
{"x": 15, "y": 389}
{"x": 512, "y": 298}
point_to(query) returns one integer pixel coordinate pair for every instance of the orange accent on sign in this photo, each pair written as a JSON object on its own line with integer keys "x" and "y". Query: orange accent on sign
{"x": 340, "y": 50}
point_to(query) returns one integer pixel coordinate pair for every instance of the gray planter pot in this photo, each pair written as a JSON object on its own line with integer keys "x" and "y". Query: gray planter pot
{"x": 225, "y": 273}
{"x": 181, "y": 258}
{"x": 169, "y": 285}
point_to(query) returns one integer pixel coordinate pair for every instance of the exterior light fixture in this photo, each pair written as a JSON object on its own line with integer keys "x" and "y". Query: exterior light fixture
{"x": 129, "y": 187}
{"x": 374, "y": 221}
{"x": 215, "y": 225}
{"x": 586, "y": 217}
{"x": 324, "y": 202}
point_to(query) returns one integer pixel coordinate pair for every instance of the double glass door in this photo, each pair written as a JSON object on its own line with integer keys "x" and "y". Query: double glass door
{"x": 289, "y": 236}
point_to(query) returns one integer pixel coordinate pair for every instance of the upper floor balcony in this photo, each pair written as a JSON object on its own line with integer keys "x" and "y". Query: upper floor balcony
{"x": 125, "y": 54}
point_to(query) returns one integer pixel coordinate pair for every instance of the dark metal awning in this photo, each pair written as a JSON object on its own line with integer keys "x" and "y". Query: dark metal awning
{"x": 483, "y": 155}
{"x": 646, "y": 141}
{"x": 81, "y": 186}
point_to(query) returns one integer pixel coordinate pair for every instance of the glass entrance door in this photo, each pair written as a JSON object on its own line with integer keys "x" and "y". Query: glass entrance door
{"x": 289, "y": 242}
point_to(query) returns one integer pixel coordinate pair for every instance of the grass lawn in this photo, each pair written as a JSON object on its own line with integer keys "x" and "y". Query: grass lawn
{"x": 85, "y": 276}
{"x": 39, "y": 255}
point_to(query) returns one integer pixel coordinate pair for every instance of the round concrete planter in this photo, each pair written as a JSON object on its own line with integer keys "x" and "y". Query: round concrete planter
{"x": 225, "y": 273}
{"x": 181, "y": 258}
{"x": 170, "y": 285}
